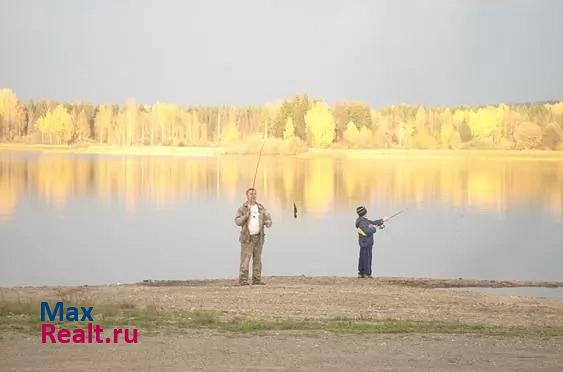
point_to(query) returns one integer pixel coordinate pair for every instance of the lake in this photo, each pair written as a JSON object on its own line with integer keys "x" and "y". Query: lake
{"x": 94, "y": 219}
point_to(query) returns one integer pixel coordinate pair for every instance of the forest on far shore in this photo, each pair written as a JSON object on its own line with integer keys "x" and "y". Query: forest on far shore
{"x": 291, "y": 125}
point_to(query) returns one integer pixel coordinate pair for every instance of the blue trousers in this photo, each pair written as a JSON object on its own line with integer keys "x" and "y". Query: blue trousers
{"x": 364, "y": 264}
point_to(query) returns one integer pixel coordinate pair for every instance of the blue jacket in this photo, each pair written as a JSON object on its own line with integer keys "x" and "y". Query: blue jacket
{"x": 367, "y": 227}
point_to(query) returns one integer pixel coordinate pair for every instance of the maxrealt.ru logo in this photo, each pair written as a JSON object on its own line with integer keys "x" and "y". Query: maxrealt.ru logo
{"x": 92, "y": 334}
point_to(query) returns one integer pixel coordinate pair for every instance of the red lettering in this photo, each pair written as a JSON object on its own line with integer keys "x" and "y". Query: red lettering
{"x": 132, "y": 340}
{"x": 47, "y": 330}
{"x": 89, "y": 333}
{"x": 98, "y": 330}
{"x": 116, "y": 333}
{"x": 50, "y": 334}
{"x": 64, "y": 333}
{"x": 78, "y": 336}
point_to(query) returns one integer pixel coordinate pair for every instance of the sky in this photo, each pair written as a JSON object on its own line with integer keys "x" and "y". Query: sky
{"x": 252, "y": 52}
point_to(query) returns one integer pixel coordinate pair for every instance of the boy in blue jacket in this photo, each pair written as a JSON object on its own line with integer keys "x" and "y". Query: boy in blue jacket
{"x": 366, "y": 228}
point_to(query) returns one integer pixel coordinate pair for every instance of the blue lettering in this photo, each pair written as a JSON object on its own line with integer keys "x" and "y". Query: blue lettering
{"x": 51, "y": 315}
{"x": 87, "y": 313}
{"x": 72, "y": 314}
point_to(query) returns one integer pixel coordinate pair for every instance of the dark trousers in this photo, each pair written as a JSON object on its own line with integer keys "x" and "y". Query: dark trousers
{"x": 364, "y": 264}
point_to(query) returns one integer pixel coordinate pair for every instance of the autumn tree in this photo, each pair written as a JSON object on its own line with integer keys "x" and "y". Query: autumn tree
{"x": 289, "y": 129}
{"x": 404, "y": 133}
{"x": 57, "y": 125}
{"x": 284, "y": 113}
{"x": 104, "y": 122}
{"x": 485, "y": 121}
{"x": 420, "y": 120}
{"x": 297, "y": 118}
{"x": 351, "y": 134}
{"x": 557, "y": 113}
{"x": 552, "y": 136}
{"x": 528, "y": 135}
{"x": 231, "y": 134}
{"x": 128, "y": 122}
{"x": 357, "y": 112}
{"x": 12, "y": 115}
{"x": 82, "y": 126}
{"x": 365, "y": 137}
{"x": 446, "y": 127}
{"x": 296, "y": 108}
{"x": 320, "y": 125}
{"x": 164, "y": 118}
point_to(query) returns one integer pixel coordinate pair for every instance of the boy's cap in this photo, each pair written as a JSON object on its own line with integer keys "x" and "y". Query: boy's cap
{"x": 361, "y": 211}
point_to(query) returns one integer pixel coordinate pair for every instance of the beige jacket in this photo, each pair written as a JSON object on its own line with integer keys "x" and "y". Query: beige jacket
{"x": 241, "y": 220}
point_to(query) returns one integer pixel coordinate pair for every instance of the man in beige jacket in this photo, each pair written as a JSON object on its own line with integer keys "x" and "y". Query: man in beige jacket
{"x": 251, "y": 217}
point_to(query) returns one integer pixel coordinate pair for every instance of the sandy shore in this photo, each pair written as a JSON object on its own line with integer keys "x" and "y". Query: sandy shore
{"x": 405, "y": 299}
{"x": 339, "y": 153}
{"x": 114, "y": 150}
{"x": 295, "y": 323}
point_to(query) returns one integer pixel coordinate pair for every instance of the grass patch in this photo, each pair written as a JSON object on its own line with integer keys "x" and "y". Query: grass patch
{"x": 24, "y": 317}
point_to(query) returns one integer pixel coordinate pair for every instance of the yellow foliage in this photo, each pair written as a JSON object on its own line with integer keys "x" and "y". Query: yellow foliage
{"x": 365, "y": 137}
{"x": 43, "y": 125}
{"x": 103, "y": 122}
{"x": 552, "y": 136}
{"x": 289, "y": 130}
{"x": 423, "y": 140}
{"x": 320, "y": 125}
{"x": 11, "y": 114}
{"x": 447, "y": 127}
{"x": 164, "y": 113}
{"x": 82, "y": 126}
{"x": 351, "y": 134}
{"x": 8, "y": 102}
{"x": 420, "y": 120}
{"x": 459, "y": 116}
{"x": 128, "y": 120}
{"x": 528, "y": 136}
{"x": 57, "y": 123}
{"x": 164, "y": 117}
{"x": 404, "y": 132}
{"x": 557, "y": 108}
{"x": 446, "y": 132}
{"x": 483, "y": 122}
{"x": 231, "y": 134}
{"x": 455, "y": 140}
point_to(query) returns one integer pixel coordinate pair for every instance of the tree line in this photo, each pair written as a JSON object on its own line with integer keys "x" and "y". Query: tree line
{"x": 300, "y": 119}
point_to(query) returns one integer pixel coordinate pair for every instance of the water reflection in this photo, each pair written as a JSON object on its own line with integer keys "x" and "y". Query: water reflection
{"x": 86, "y": 219}
{"x": 317, "y": 185}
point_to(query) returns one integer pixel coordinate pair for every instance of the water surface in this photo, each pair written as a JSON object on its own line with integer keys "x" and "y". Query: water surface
{"x": 77, "y": 218}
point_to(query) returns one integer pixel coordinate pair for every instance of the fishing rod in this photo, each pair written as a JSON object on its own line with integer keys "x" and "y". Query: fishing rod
{"x": 258, "y": 163}
{"x": 382, "y": 226}
{"x": 396, "y": 214}
{"x": 256, "y": 172}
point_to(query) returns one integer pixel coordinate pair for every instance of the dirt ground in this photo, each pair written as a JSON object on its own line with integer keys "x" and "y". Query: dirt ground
{"x": 320, "y": 298}
{"x": 288, "y": 351}
{"x": 304, "y": 298}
